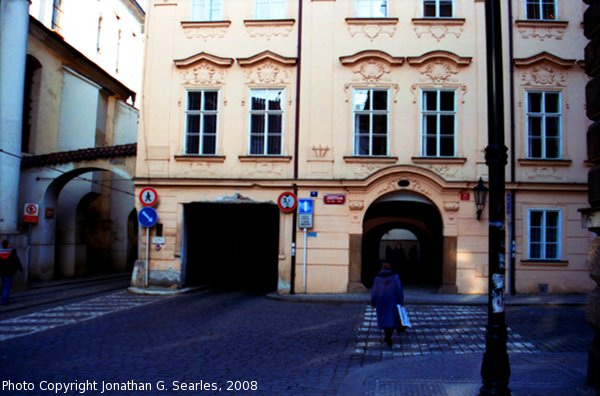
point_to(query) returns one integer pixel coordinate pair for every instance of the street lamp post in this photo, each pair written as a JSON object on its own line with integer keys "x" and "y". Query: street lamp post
{"x": 495, "y": 368}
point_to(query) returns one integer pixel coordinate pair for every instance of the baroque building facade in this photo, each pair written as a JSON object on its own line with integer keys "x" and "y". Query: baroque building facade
{"x": 375, "y": 110}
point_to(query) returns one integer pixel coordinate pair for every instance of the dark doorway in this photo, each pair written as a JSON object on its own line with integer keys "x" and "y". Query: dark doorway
{"x": 409, "y": 235}
{"x": 232, "y": 245}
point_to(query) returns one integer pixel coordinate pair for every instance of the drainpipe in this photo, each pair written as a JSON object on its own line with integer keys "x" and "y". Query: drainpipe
{"x": 296, "y": 146}
{"x": 513, "y": 192}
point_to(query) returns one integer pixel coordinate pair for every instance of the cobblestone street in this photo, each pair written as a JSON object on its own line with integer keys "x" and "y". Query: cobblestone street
{"x": 295, "y": 348}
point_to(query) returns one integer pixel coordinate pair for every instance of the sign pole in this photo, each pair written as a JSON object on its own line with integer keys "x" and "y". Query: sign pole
{"x": 147, "y": 255}
{"x": 26, "y": 270}
{"x": 304, "y": 259}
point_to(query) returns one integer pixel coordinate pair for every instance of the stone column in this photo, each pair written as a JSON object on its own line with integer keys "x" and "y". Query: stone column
{"x": 14, "y": 25}
{"x": 592, "y": 215}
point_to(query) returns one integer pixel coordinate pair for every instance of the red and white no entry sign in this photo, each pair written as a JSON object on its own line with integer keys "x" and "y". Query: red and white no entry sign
{"x": 31, "y": 213}
{"x": 287, "y": 202}
{"x": 148, "y": 196}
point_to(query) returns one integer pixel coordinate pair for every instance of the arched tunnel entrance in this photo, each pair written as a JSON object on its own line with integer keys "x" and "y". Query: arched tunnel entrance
{"x": 405, "y": 229}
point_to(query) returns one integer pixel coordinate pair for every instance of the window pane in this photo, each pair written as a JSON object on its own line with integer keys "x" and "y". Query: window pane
{"x": 447, "y": 146}
{"x": 275, "y": 123}
{"x": 193, "y": 123}
{"x": 535, "y": 126}
{"x": 361, "y": 98}
{"x": 431, "y": 125}
{"x": 211, "y": 100}
{"x": 194, "y": 100}
{"x": 274, "y": 144}
{"x": 380, "y": 124}
{"x": 362, "y": 123}
{"x": 535, "y": 219}
{"x": 429, "y": 8}
{"x": 209, "y": 144}
{"x": 210, "y": 124}
{"x": 430, "y": 146}
{"x": 192, "y": 145}
{"x": 535, "y": 251}
{"x": 445, "y": 9}
{"x": 362, "y": 145}
{"x": 551, "y": 251}
{"x": 447, "y": 125}
{"x": 535, "y": 147}
{"x": 552, "y": 103}
{"x": 379, "y": 100}
{"x": 257, "y": 123}
{"x": 447, "y": 100}
{"x": 533, "y": 9}
{"x": 552, "y": 127}
{"x": 548, "y": 9}
{"x": 552, "y": 148}
{"x": 257, "y": 144}
{"x": 534, "y": 102}
{"x": 275, "y": 100}
{"x": 379, "y": 145}
{"x": 430, "y": 99}
{"x": 258, "y": 100}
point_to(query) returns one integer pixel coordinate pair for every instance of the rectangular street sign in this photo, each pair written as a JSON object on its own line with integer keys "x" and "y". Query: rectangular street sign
{"x": 305, "y": 206}
{"x": 305, "y": 220}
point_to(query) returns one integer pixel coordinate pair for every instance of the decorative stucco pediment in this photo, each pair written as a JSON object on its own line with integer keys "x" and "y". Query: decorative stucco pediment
{"x": 440, "y": 55}
{"x": 267, "y": 68}
{"x": 203, "y": 68}
{"x": 543, "y": 69}
{"x": 371, "y": 55}
{"x": 371, "y": 67}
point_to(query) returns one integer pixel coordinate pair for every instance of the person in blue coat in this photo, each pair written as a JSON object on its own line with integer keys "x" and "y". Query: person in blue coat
{"x": 386, "y": 294}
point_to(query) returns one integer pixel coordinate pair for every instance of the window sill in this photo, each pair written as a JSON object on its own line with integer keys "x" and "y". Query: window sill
{"x": 199, "y": 158}
{"x": 439, "y": 21}
{"x": 366, "y": 159}
{"x": 529, "y": 23}
{"x": 439, "y": 160}
{"x": 265, "y": 158}
{"x": 205, "y": 24}
{"x": 545, "y": 263}
{"x": 371, "y": 21}
{"x": 269, "y": 22}
{"x": 544, "y": 162}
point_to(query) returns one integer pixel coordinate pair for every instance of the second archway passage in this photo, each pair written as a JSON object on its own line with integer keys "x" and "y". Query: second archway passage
{"x": 409, "y": 236}
{"x": 232, "y": 245}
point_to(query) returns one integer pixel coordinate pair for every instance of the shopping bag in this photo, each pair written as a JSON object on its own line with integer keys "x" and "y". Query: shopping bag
{"x": 404, "y": 319}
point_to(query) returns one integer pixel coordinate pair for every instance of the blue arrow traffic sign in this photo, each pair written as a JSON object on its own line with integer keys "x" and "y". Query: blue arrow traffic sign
{"x": 305, "y": 206}
{"x": 147, "y": 217}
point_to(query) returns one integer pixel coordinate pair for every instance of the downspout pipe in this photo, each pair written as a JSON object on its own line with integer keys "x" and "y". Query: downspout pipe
{"x": 296, "y": 145}
{"x": 513, "y": 191}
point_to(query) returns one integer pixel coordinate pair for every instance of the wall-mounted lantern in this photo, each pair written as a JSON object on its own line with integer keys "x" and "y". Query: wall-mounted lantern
{"x": 480, "y": 192}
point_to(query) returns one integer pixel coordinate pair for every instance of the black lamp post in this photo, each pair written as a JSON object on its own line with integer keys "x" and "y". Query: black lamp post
{"x": 495, "y": 367}
{"x": 480, "y": 191}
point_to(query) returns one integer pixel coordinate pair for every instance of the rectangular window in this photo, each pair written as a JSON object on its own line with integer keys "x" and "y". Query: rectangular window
{"x": 540, "y": 10}
{"x": 270, "y": 9}
{"x": 371, "y": 113}
{"x": 266, "y": 121}
{"x": 202, "y": 111}
{"x": 371, "y": 8}
{"x": 438, "y": 8}
{"x": 438, "y": 123}
{"x": 206, "y": 10}
{"x": 544, "y": 234}
{"x": 544, "y": 125}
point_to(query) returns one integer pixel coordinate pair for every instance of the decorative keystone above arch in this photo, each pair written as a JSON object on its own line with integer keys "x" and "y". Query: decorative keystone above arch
{"x": 544, "y": 69}
{"x": 203, "y": 68}
{"x": 267, "y": 68}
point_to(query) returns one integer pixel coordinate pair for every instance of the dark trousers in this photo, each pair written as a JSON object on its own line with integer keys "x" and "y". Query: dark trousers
{"x": 6, "y": 285}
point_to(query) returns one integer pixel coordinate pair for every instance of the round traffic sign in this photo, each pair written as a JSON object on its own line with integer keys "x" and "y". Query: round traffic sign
{"x": 287, "y": 202}
{"x": 148, "y": 196}
{"x": 147, "y": 217}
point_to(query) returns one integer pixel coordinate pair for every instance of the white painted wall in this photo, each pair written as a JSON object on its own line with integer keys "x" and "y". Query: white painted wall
{"x": 126, "y": 123}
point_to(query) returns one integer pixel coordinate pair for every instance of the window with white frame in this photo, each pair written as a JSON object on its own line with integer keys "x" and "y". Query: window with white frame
{"x": 371, "y": 121}
{"x": 438, "y": 8}
{"x": 206, "y": 10}
{"x": 544, "y": 119}
{"x": 266, "y": 121}
{"x": 544, "y": 234}
{"x": 270, "y": 9}
{"x": 371, "y": 8}
{"x": 438, "y": 123}
{"x": 202, "y": 110}
{"x": 540, "y": 10}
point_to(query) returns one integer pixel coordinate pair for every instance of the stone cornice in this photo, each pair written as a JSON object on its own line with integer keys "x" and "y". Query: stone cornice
{"x": 439, "y": 54}
{"x": 203, "y": 56}
{"x": 544, "y": 57}
{"x": 266, "y": 55}
{"x": 371, "y": 54}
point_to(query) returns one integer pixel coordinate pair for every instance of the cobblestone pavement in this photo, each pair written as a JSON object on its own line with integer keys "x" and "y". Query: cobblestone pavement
{"x": 70, "y": 313}
{"x": 238, "y": 340}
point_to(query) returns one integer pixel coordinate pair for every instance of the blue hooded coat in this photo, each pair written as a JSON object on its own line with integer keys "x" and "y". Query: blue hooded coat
{"x": 386, "y": 294}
